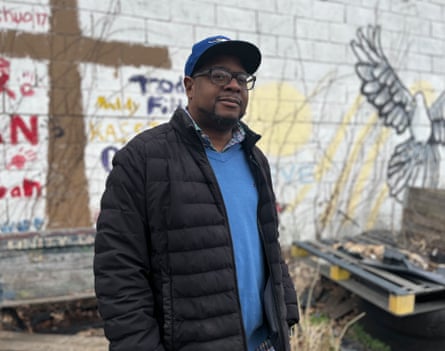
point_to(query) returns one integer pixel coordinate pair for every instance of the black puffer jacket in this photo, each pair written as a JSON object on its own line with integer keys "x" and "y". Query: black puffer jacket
{"x": 164, "y": 267}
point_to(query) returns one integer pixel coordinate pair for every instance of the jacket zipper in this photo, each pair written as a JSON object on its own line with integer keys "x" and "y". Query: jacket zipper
{"x": 231, "y": 247}
{"x": 269, "y": 265}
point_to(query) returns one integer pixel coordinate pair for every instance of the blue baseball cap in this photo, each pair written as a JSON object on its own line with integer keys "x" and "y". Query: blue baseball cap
{"x": 248, "y": 54}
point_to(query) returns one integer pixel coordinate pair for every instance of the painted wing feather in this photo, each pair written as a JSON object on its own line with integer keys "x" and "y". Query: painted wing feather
{"x": 380, "y": 84}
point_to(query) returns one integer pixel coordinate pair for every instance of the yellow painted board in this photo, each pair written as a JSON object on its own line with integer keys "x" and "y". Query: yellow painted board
{"x": 401, "y": 304}
{"x": 338, "y": 273}
{"x": 297, "y": 251}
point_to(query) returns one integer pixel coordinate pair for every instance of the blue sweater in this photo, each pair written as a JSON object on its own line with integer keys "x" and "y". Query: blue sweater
{"x": 241, "y": 201}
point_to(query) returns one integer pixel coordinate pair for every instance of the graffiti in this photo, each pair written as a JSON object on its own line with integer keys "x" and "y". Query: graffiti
{"x": 107, "y": 156}
{"x": 34, "y": 240}
{"x": 4, "y": 78}
{"x": 19, "y": 160}
{"x": 415, "y": 161}
{"x": 162, "y": 104}
{"x": 164, "y": 95}
{"x": 18, "y": 126}
{"x": 29, "y": 188}
{"x": 303, "y": 173}
{"x": 158, "y": 86}
{"x": 119, "y": 132}
{"x": 23, "y": 225}
{"x": 117, "y": 105}
{"x": 9, "y": 15}
{"x": 27, "y": 81}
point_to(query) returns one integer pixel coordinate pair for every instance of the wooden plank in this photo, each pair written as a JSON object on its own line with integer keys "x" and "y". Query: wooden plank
{"x": 36, "y": 267}
{"x": 423, "y": 222}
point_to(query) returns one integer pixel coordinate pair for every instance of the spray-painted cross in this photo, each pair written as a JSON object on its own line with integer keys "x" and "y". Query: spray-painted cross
{"x": 67, "y": 203}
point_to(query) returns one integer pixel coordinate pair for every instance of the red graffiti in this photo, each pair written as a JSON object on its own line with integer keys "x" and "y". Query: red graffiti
{"x": 26, "y": 89}
{"x": 18, "y": 161}
{"x": 4, "y": 78}
{"x": 13, "y": 16}
{"x": 27, "y": 189}
{"x": 19, "y": 126}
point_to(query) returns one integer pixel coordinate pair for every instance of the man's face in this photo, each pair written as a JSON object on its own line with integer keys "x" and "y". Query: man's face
{"x": 213, "y": 106}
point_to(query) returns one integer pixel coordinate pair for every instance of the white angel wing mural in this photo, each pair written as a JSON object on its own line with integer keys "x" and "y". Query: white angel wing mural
{"x": 416, "y": 161}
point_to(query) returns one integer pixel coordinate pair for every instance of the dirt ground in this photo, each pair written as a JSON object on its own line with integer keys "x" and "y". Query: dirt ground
{"x": 20, "y": 341}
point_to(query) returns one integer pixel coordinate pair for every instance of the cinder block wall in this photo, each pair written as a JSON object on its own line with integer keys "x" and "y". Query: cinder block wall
{"x": 347, "y": 131}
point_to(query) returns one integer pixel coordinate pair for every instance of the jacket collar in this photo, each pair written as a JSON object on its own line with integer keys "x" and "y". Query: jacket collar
{"x": 182, "y": 123}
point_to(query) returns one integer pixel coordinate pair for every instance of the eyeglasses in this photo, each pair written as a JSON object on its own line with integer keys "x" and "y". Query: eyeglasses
{"x": 221, "y": 77}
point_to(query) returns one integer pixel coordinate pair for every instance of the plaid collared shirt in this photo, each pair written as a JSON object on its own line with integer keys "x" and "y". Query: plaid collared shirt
{"x": 265, "y": 346}
{"x": 238, "y": 135}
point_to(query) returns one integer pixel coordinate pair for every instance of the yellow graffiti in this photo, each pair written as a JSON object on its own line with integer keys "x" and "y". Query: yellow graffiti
{"x": 347, "y": 171}
{"x": 375, "y": 210}
{"x": 282, "y": 116}
{"x": 361, "y": 180}
{"x": 117, "y": 105}
{"x": 339, "y": 137}
{"x": 426, "y": 88}
{"x": 117, "y": 132}
{"x": 326, "y": 163}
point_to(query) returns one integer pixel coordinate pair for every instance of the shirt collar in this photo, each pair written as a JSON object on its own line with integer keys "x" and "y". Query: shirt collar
{"x": 238, "y": 135}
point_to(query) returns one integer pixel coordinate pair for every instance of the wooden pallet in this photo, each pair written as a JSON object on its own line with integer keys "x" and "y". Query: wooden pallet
{"x": 395, "y": 293}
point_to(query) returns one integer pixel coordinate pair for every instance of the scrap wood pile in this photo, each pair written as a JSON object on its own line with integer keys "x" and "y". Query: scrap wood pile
{"x": 379, "y": 249}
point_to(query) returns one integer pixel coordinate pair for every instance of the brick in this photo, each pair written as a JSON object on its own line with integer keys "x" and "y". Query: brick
{"x": 299, "y": 8}
{"x": 295, "y": 48}
{"x": 327, "y": 11}
{"x": 125, "y": 29}
{"x": 169, "y": 34}
{"x": 158, "y": 10}
{"x": 327, "y": 52}
{"x": 438, "y": 64}
{"x": 418, "y": 62}
{"x": 229, "y": 17}
{"x": 341, "y": 32}
{"x": 186, "y": 10}
{"x": 311, "y": 29}
{"x": 276, "y": 24}
{"x": 438, "y": 30}
{"x": 359, "y": 16}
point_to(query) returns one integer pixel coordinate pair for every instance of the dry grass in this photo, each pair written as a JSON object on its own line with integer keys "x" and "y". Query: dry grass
{"x": 315, "y": 332}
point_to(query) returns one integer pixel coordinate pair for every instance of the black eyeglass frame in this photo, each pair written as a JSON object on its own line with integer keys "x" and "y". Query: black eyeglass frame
{"x": 250, "y": 79}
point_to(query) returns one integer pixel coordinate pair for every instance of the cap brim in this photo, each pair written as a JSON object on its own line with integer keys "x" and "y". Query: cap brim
{"x": 248, "y": 54}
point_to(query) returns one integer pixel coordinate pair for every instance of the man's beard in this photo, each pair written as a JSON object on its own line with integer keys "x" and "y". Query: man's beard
{"x": 215, "y": 121}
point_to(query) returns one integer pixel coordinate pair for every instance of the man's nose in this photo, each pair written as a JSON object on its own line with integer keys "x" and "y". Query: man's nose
{"x": 233, "y": 84}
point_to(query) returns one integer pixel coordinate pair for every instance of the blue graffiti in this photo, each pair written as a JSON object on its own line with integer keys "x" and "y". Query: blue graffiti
{"x": 107, "y": 157}
{"x": 164, "y": 96}
{"x": 24, "y": 225}
{"x": 161, "y": 86}
{"x": 163, "y": 104}
{"x": 303, "y": 173}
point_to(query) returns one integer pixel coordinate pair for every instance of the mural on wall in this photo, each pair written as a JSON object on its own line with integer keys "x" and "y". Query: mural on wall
{"x": 55, "y": 37}
{"x": 348, "y": 176}
{"x": 415, "y": 162}
{"x": 134, "y": 99}
{"x": 23, "y": 144}
{"x": 74, "y": 89}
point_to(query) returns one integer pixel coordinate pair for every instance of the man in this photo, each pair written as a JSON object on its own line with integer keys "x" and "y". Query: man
{"x": 187, "y": 255}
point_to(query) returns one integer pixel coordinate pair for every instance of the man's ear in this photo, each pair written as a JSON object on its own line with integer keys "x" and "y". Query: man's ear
{"x": 188, "y": 84}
